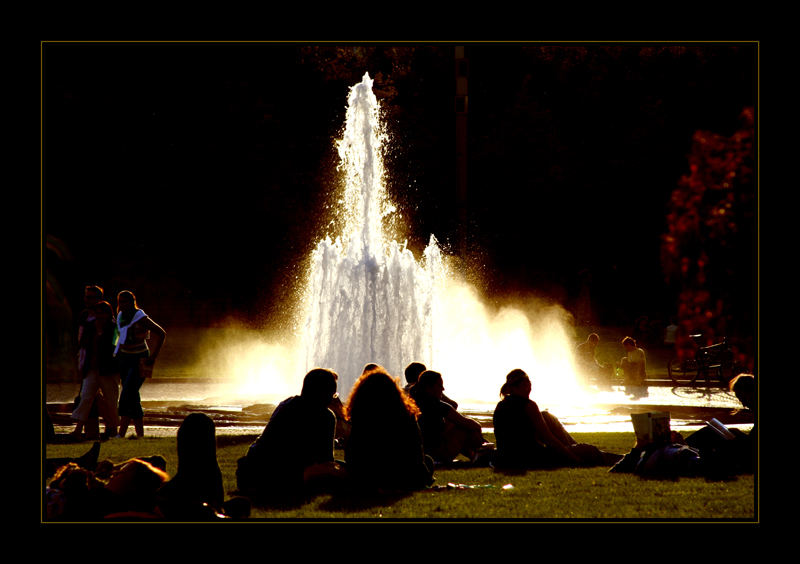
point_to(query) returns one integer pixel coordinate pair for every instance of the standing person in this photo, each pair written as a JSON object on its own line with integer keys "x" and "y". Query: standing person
{"x": 135, "y": 358}
{"x": 634, "y": 367}
{"x": 384, "y": 451}
{"x": 529, "y": 438}
{"x": 91, "y": 295}
{"x": 100, "y": 373}
{"x": 671, "y": 334}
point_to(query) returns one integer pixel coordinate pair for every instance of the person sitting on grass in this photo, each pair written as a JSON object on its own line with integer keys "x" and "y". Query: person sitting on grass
{"x": 412, "y": 373}
{"x": 384, "y": 452}
{"x": 294, "y": 454}
{"x": 196, "y": 491}
{"x": 445, "y": 432}
{"x": 529, "y": 438}
{"x": 737, "y": 454}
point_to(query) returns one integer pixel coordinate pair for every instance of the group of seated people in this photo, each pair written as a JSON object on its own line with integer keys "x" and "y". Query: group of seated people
{"x": 393, "y": 440}
{"x": 396, "y": 436}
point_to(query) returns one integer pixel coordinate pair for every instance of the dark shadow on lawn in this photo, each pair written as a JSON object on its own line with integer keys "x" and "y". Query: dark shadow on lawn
{"x": 357, "y": 500}
{"x": 342, "y": 500}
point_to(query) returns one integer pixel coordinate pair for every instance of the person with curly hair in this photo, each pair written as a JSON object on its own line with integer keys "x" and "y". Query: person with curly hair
{"x": 384, "y": 451}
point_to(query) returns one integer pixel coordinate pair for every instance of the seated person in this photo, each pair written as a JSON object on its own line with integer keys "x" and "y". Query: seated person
{"x": 588, "y": 365}
{"x": 445, "y": 432}
{"x": 723, "y": 456}
{"x": 633, "y": 364}
{"x": 412, "y": 373}
{"x": 336, "y": 405}
{"x": 384, "y": 451}
{"x": 296, "y": 447}
{"x": 529, "y": 438}
{"x": 196, "y": 489}
{"x": 634, "y": 367}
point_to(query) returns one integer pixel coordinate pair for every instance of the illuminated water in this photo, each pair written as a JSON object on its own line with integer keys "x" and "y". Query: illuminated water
{"x": 368, "y": 299}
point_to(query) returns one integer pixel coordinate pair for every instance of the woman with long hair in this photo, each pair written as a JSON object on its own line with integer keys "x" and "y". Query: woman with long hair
{"x": 384, "y": 451}
{"x": 529, "y": 438}
{"x": 136, "y": 358}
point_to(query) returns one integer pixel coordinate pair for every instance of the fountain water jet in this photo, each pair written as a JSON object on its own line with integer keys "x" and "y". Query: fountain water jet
{"x": 368, "y": 300}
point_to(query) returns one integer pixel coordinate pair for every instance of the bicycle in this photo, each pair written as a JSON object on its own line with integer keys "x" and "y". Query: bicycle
{"x": 712, "y": 364}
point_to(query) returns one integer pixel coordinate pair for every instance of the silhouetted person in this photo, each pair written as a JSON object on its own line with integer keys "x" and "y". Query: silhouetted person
{"x": 445, "y": 432}
{"x": 384, "y": 452}
{"x": 92, "y": 294}
{"x": 196, "y": 491}
{"x": 130, "y": 493}
{"x": 336, "y": 405}
{"x": 140, "y": 341}
{"x": 68, "y": 497}
{"x": 671, "y": 334}
{"x": 529, "y": 438}
{"x": 634, "y": 367}
{"x": 295, "y": 451}
{"x": 100, "y": 386}
{"x": 75, "y": 493}
{"x": 588, "y": 365}
{"x": 412, "y": 373}
{"x": 723, "y": 457}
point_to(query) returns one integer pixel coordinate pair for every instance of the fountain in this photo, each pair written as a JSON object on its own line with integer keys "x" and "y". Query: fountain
{"x": 368, "y": 299}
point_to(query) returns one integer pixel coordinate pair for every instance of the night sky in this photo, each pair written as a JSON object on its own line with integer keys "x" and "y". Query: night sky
{"x": 196, "y": 173}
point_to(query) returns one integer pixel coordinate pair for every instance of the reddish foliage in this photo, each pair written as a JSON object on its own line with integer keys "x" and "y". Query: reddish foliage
{"x": 707, "y": 249}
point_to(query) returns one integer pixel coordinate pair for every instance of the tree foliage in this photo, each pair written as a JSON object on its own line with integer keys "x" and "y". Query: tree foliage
{"x": 709, "y": 249}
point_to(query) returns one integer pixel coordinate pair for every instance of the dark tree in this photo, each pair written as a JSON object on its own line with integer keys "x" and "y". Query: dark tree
{"x": 709, "y": 252}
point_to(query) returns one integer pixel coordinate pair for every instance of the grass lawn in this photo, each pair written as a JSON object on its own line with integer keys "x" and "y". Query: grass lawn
{"x": 482, "y": 494}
